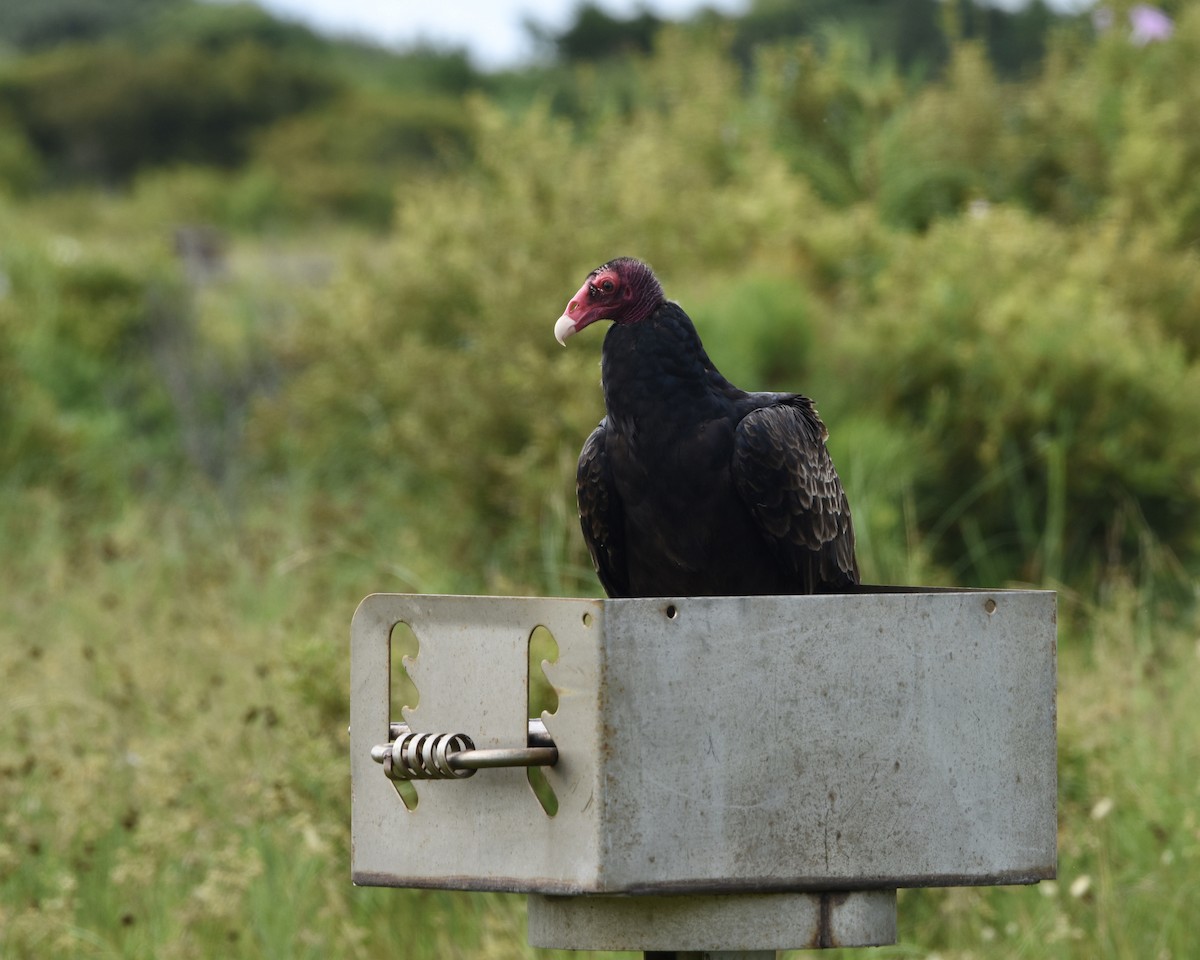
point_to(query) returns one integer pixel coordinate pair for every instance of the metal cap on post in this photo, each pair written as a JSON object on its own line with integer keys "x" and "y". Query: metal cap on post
{"x": 737, "y": 923}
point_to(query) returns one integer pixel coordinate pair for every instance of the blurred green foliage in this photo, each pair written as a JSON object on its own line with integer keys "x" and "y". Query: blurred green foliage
{"x": 36, "y": 26}
{"x": 249, "y": 374}
{"x": 103, "y": 112}
{"x": 220, "y": 85}
{"x": 1052, "y": 417}
{"x": 341, "y": 162}
{"x": 1025, "y": 250}
{"x": 598, "y": 35}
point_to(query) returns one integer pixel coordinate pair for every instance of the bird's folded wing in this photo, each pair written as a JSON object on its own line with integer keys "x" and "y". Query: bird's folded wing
{"x": 601, "y": 516}
{"x": 785, "y": 476}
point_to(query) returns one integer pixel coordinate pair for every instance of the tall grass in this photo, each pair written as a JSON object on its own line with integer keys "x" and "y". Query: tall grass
{"x": 173, "y": 773}
{"x": 173, "y": 776}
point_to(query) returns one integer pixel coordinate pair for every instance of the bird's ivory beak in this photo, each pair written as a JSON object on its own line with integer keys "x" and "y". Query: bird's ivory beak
{"x": 575, "y": 317}
{"x": 564, "y": 327}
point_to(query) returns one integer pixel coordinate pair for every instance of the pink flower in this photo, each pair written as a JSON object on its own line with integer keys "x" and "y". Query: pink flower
{"x": 1149, "y": 25}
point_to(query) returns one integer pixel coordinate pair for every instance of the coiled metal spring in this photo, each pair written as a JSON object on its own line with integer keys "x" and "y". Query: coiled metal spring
{"x": 426, "y": 756}
{"x": 446, "y": 756}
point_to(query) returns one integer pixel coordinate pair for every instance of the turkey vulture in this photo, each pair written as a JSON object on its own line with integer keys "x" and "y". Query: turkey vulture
{"x": 690, "y": 486}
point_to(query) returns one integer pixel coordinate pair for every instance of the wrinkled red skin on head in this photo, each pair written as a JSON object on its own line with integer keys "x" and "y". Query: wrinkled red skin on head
{"x": 623, "y": 291}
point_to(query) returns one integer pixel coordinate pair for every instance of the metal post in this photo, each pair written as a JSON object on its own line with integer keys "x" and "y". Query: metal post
{"x": 710, "y": 955}
{"x": 727, "y": 926}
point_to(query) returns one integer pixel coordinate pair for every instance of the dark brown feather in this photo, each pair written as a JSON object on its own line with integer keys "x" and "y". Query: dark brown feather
{"x": 784, "y": 474}
{"x": 601, "y": 516}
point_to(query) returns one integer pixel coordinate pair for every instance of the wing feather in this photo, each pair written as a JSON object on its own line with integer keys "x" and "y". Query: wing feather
{"x": 784, "y": 474}
{"x": 601, "y": 515}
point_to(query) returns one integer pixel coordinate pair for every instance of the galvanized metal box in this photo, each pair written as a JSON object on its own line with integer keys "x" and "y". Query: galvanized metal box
{"x": 735, "y": 744}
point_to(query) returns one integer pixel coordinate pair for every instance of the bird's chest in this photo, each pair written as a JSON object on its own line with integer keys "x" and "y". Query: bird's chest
{"x": 674, "y": 481}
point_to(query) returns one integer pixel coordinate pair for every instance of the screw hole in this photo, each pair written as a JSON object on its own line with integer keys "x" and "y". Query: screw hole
{"x": 671, "y": 612}
{"x": 990, "y": 606}
{"x": 587, "y": 619}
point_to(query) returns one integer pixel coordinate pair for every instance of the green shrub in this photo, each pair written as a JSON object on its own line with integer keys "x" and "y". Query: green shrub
{"x": 74, "y": 328}
{"x": 758, "y": 329}
{"x": 104, "y": 112}
{"x": 19, "y": 166}
{"x": 827, "y": 108}
{"x": 346, "y": 161}
{"x": 1153, "y": 167}
{"x": 947, "y": 147}
{"x": 1053, "y": 422}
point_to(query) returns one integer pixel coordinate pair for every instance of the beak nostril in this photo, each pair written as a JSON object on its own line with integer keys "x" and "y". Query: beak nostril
{"x": 573, "y": 306}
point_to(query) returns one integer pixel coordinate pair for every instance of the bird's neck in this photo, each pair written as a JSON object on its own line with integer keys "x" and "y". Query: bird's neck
{"x": 660, "y": 361}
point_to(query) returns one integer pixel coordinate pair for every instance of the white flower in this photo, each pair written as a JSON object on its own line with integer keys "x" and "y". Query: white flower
{"x": 1102, "y": 808}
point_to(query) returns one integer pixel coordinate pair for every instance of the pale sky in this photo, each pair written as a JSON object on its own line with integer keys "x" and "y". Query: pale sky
{"x": 490, "y": 29}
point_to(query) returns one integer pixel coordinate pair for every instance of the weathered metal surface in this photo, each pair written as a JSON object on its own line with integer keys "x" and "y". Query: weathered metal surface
{"x": 488, "y": 832}
{"x": 714, "y": 922}
{"x": 722, "y": 744}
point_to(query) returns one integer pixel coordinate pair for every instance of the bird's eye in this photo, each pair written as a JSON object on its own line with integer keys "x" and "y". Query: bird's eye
{"x": 607, "y": 286}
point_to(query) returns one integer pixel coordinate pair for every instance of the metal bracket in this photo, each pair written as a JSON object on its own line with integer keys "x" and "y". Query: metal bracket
{"x": 446, "y": 756}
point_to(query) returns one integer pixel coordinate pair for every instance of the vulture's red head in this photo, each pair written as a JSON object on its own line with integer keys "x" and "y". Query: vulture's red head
{"x": 624, "y": 290}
